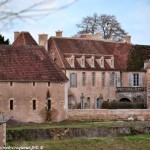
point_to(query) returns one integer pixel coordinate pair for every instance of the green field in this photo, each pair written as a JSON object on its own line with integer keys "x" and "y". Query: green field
{"x": 77, "y": 124}
{"x": 140, "y": 142}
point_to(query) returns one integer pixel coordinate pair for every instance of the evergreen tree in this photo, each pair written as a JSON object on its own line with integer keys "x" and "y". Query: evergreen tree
{"x": 3, "y": 41}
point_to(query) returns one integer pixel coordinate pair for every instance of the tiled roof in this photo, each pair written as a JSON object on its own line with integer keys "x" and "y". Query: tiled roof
{"x": 88, "y": 47}
{"x": 24, "y": 38}
{"x": 28, "y": 63}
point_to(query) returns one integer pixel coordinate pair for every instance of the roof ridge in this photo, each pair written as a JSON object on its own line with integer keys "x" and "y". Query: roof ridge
{"x": 86, "y": 39}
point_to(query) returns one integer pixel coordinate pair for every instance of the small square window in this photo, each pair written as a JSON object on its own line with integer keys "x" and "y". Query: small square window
{"x": 11, "y": 104}
{"x": 34, "y": 105}
{"x": 11, "y": 83}
{"x": 33, "y": 83}
{"x": 49, "y": 84}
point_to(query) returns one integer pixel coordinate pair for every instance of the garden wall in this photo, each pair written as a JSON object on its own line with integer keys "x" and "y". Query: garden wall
{"x": 108, "y": 115}
{"x": 2, "y": 135}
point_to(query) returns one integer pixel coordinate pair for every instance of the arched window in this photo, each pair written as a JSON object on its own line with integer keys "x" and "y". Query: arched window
{"x": 11, "y": 104}
{"x": 48, "y": 104}
{"x": 88, "y": 102}
{"x": 34, "y": 104}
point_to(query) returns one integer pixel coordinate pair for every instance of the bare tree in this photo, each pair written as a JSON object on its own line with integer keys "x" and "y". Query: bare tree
{"x": 11, "y": 10}
{"x": 89, "y": 24}
{"x": 107, "y": 25}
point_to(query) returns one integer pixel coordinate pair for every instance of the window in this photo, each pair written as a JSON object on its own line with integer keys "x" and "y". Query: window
{"x": 83, "y": 61}
{"x": 33, "y": 83}
{"x": 135, "y": 79}
{"x": 11, "y": 83}
{"x": 71, "y": 103}
{"x": 88, "y": 102}
{"x": 83, "y": 78}
{"x": 72, "y": 61}
{"x": 92, "y": 62}
{"x": 49, "y": 84}
{"x": 73, "y": 80}
{"x": 48, "y": 104}
{"x": 97, "y": 103}
{"x": 112, "y": 78}
{"x": 34, "y": 104}
{"x": 11, "y": 104}
{"x": 93, "y": 78}
{"x": 112, "y": 62}
{"x": 103, "y": 79}
{"x": 102, "y": 62}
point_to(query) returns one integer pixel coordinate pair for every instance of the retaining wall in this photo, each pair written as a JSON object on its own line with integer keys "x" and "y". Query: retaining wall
{"x": 108, "y": 114}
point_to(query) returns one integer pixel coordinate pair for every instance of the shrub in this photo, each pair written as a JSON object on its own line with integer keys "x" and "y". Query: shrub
{"x": 78, "y": 106}
{"x": 48, "y": 115}
{"x": 122, "y": 105}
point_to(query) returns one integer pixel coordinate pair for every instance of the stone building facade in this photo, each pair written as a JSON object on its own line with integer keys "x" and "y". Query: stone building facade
{"x": 98, "y": 70}
{"x": 31, "y": 84}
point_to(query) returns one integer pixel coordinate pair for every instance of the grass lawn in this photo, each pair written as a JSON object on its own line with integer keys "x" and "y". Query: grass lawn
{"x": 140, "y": 142}
{"x": 75, "y": 124}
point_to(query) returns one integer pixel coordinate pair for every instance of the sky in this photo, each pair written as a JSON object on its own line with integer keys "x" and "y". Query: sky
{"x": 133, "y": 15}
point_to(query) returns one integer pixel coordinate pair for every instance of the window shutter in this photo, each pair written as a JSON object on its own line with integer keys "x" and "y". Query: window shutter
{"x": 130, "y": 79}
{"x": 140, "y": 79}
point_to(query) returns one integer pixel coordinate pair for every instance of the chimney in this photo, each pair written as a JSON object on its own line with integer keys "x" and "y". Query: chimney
{"x": 97, "y": 35}
{"x": 16, "y": 34}
{"x": 127, "y": 39}
{"x": 58, "y": 33}
{"x": 43, "y": 40}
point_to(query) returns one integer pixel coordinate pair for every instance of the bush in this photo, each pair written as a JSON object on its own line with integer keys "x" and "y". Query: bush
{"x": 78, "y": 106}
{"x": 48, "y": 115}
{"x": 122, "y": 105}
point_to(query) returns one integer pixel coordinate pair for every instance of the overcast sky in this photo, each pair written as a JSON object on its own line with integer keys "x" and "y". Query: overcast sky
{"x": 134, "y": 16}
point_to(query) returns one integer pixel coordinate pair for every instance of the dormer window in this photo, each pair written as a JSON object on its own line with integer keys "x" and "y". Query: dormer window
{"x": 92, "y": 62}
{"x": 72, "y": 61}
{"x": 102, "y": 62}
{"x": 112, "y": 62}
{"x": 53, "y": 56}
{"x": 83, "y": 61}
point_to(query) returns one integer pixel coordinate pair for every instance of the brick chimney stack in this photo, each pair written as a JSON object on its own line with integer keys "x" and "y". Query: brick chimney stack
{"x": 58, "y": 33}
{"x": 16, "y": 34}
{"x": 127, "y": 39}
{"x": 97, "y": 35}
{"x": 43, "y": 40}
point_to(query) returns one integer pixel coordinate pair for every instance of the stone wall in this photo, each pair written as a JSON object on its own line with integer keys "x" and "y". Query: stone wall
{"x": 2, "y": 131}
{"x": 23, "y": 94}
{"x": 108, "y": 115}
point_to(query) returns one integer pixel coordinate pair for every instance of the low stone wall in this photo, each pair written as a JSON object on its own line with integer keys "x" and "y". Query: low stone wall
{"x": 2, "y": 134}
{"x": 108, "y": 114}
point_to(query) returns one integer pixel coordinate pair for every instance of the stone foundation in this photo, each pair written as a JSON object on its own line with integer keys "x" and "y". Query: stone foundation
{"x": 108, "y": 115}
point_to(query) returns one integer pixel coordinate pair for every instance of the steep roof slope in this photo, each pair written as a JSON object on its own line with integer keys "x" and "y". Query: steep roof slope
{"x": 89, "y": 47}
{"x": 138, "y": 55}
{"x": 24, "y": 38}
{"x": 28, "y": 63}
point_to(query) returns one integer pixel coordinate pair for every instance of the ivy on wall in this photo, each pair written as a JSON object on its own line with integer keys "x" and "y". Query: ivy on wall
{"x": 138, "y": 54}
